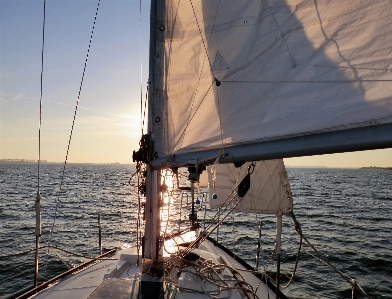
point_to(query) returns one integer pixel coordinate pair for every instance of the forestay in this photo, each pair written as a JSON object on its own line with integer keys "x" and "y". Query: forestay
{"x": 231, "y": 72}
{"x": 269, "y": 187}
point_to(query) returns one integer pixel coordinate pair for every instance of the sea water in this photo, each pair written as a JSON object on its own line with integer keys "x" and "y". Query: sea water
{"x": 344, "y": 213}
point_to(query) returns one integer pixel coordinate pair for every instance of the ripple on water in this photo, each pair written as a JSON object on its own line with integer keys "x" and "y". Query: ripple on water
{"x": 345, "y": 213}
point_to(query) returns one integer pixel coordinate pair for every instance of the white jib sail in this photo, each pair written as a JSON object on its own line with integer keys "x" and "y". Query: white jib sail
{"x": 269, "y": 187}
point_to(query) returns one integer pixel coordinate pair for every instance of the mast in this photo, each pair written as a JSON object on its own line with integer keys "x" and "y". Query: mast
{"x": 152, "y": 228}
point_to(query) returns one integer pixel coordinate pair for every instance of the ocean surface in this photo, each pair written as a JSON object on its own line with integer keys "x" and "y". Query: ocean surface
{"x": 345, "y": 213}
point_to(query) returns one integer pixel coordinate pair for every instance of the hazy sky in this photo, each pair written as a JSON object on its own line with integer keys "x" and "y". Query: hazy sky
{"x": 108, "y": 125}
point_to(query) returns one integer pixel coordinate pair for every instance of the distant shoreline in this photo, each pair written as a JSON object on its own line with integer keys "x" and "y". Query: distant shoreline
{"x": 288, "y": 166}
{"x": 375, "y": 167}
{"x": 24, "y": 161}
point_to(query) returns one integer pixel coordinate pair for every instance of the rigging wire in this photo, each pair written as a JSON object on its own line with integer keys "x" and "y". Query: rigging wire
{"x": 59, "y": 257}
{"x": 38, "y": 197}
{"x": 40, "y": 99}
{"x": 141, "y": 66}
{"x": 54, "y": 247}
{"x": 70, "y": 136}
{"x": 15, "y": 275}
{"x": 180, "y": 257}
{"x": 20, "y": 253}
{"x": 209, "y": 229}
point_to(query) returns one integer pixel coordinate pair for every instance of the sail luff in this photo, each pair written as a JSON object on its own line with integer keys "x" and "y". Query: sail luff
{"x": 151, "y": 64}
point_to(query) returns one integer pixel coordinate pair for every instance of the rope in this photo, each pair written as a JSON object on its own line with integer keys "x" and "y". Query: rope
{"x": 81, "y": 255}
{"x": 16, "y": 275}
{"x": 70, "y": 136}
{"x": 352, "y": 282}
{"x": 295, "y": 267}
{"x": 47, "y": 256}
{"x": 140, "y": 170}
{"x": 163, "y": 177}
{"x": 20, "y": 253}
{"x": 203, "y": 235}
{"x": 54, "y": 247}
{"x": 209, "y": 272}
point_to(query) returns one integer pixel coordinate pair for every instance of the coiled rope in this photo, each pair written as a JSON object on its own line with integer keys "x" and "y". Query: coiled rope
{"x": 224, "y": 277}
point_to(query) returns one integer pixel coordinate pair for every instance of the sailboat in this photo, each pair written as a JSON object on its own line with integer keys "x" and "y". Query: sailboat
{"x": 242, "y": 85}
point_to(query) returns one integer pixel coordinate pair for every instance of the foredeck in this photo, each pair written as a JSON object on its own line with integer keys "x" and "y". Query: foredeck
{"x": 122, "y": 278}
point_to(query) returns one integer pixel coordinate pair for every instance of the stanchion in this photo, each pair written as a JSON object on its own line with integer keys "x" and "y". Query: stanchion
{"x": 100, "y": 233}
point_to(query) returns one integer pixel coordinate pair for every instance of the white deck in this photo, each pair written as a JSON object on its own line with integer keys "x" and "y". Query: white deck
{"x": 120, "y": 278}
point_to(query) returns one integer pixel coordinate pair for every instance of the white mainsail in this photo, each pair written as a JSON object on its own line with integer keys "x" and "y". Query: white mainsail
{"x": 283, "y": 69}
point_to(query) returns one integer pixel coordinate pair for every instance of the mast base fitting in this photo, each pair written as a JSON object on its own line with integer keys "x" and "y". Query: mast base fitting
{"x": 195, "y": 226}
{"x": 153, "y": 267}
{"x": 192, "y": 217}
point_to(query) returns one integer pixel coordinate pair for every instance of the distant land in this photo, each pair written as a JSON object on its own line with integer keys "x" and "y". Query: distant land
{"x": 288, "y": 166}
{"x": 46, "y": 162}
{"x": 21, "y": 161}
{"x": 375, "y": 167}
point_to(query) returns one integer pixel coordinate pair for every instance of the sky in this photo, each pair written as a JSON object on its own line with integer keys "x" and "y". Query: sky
{"x": 108, "y": 121}
{"x": 107, "y": 127}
